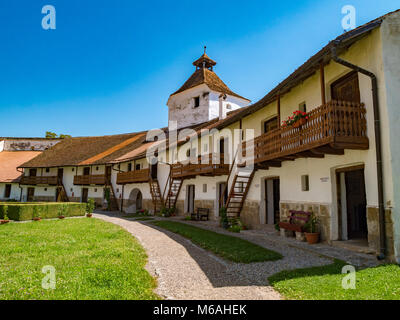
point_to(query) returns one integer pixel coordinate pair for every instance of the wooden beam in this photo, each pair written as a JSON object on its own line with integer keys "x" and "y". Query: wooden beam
{"x": 279, "y": 110}
{"x": 322, "y": 80}
{"x": 309, "y": 154}
{"x": 328, "y": 150}
{"x": 274, "y": 163}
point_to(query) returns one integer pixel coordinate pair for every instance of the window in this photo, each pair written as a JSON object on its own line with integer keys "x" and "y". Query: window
{"x": 204, "y": 187}
{"x": 303, "y": 107}
{"x": 305, "y": 183}
{"x": 7, "y": 191}
{"x": 270, "y": 125}
{"x": 137, "y": 167}
{"x": 86, "y": 171}
{"x": 188, "y": 153}
{"x": 196, "y": 102}
{"x": 228, "y": 107}
{"x": 129, "y": 166}
{"x": 47, "y": 170}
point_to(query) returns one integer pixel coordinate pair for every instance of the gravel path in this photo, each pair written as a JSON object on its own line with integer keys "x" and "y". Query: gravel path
{"x": 186, "y": 271}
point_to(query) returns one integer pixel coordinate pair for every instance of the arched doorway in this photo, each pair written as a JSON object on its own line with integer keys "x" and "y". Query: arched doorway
{"x": 135, "y": 201}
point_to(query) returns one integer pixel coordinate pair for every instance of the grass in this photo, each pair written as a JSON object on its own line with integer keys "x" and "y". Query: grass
{"x": 325, "y": 283}
{"x": 228, "y": 247}
{"x": 93, "y": 259}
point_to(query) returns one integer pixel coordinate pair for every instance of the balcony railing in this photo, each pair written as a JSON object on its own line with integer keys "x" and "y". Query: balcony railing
{"x": 43, "y": 180}
{"x": 137, "y": 176}
{"x": 98, "y": 179}
{"x": 336, "y": 124}
{"x": 208, "y": 165}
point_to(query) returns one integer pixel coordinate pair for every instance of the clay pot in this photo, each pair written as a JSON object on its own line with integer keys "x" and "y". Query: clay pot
{"x": 312, "y": 238}
{"x": 299, "y": 123}
{"x": 61, "y": 217}
{"x": 4, "y": 221}
{"x": 37, "y": 219}
{"x": 89, "y": 215}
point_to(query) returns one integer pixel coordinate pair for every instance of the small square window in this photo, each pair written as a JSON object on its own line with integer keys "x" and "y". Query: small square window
{"x": 205, "y": 187}
{"x": 45, "y": 189}
{"x": 47, "y": 170}
{"x": 95, "y": 190}
{"x": 137, "y": 167}
{"x": 303, "y": 107}
{"x": 228, "y": 106}
{"x": 305, "y": 183}
{"x": 196, "y": 102}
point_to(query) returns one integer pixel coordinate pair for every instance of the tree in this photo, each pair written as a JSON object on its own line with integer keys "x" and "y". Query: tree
{"x": 52, "y": 135}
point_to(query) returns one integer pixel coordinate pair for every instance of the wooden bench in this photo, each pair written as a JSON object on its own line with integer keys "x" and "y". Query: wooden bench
{"x": 200, "y": 214}
{"x": 297, "y": 221}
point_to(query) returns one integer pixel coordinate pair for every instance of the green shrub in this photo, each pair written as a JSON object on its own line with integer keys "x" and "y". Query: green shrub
{"x": 90, "y": 206}
{"x": 4, "y": 212}
{"x": 224, "y": 218}
{"x": 25, "y": 211}
{"x": 235, "y": 228}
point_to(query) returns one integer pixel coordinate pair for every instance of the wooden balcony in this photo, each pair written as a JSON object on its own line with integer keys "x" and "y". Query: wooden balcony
{"x": 330, "y": 129}
{"x": 85, "y": 180}
{"x": 208, "y": 165}
{"x": 42, "y": 180}
{"x": 137, "y": 176}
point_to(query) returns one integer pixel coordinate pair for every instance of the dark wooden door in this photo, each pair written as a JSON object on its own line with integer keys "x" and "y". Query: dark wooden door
{"x": 222, "y": 190}
{"x": 346, "y": 88}
{"x": 191, "y": 199}
{"x": 270, "y": 125}
{"x": 31, "y": 194}
{"x": 154, "y": 171}
{"x": 277, "y": 199}
{"x": 108, "y": 174}
{"x": 84, "y": 195}
{"x": 86, "y": 171}
{"x": 356, "y": 205}
{"x": 33, "y": 172}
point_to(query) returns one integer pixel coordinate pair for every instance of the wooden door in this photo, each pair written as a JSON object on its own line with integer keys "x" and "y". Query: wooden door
{"x": 33, "y": 172}
{"x": 86, "y": 171}
{"x": 154, "y": 171}
{"x": 346, "y": 88}
{"x": 277, "y": 199}
{"x": 272, "y": 200}
{"x": 222, "y": 190}
{"x": 85, "y": 192}
{"x": 31, "y": 194}
{"x": 191, "y": 199}
{"x": 108, "y": 174}
{"x": 356, "y": 204}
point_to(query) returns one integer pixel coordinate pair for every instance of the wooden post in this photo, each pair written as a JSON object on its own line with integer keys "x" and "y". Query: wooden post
{"x": 322, "y": 80}
{"x": 279, "y": 109}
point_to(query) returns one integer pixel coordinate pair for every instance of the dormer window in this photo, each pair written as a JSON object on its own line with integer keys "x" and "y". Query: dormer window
{"x": 196, "y": 102}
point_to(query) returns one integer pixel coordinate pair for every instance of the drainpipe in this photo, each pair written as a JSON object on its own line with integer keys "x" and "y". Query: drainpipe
{"x": 378, "y": 149}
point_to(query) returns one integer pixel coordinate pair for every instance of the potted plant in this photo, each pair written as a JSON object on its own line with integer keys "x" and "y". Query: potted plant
{"x": 311, "y": 233}
{"x": 36, "y": 213}
{"x": 224, "y": 221}
{"x": 89, "y": 208}
{"x": 296, "y": 120}
{"x": 5, "y": 216}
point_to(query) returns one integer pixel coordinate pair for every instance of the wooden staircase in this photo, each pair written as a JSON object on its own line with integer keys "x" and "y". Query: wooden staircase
{"x": 62, "y": 193}
{"x": 156, "y": 195}
{"x": 175, "y": 186}
{"x": 238, "y": 192}
{"x": 113, "y": 199}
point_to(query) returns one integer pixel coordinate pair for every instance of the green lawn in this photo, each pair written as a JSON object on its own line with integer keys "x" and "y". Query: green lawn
{"x": 93, "y": 259}
{"x": 143, "y": 219}
{"x": 228, "y": 247}
{"x": 325, "y": 283}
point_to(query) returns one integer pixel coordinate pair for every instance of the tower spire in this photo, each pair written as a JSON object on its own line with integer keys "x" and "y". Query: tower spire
{"x": 204, "y": 61}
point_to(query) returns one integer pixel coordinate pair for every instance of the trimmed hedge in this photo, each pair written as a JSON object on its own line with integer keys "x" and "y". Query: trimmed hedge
{"x": 22, "y": 211}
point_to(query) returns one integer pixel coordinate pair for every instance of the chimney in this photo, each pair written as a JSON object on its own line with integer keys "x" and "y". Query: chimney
{"x": 222, "y": 98}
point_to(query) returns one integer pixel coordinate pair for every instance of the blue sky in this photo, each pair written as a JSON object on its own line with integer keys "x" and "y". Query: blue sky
{"x": 110, "y": 66}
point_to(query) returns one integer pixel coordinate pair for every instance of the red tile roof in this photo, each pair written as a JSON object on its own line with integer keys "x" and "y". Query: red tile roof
{"x": 11, "y": 160}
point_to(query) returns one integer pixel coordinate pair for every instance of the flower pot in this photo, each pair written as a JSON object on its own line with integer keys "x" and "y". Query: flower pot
{"x": 4, "y": 221}
{"x": 312, "y": 238}
{"x": 61, "y": 217}
{"x": 89, "y": 215}
{"x": 37, "y": 219}
{"x": 299, "y": 123}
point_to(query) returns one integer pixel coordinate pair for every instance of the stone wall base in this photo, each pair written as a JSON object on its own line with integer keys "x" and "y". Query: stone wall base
{"x": 250, "y": 215}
